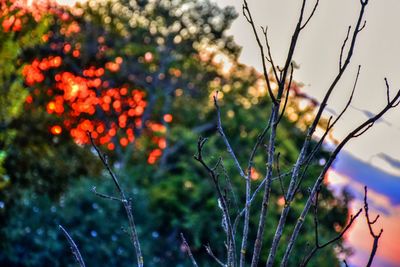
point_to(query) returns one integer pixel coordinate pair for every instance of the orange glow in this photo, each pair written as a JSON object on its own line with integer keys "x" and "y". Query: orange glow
{"x": 56, "y": 130}
{"x": 29, "y": 99}
{"x": 254, "y": 175}
{"x": 123, "y": 141}
{"x": 123, "y": 91}
{"x": 162, "y": 143}
{"x": 67, "y": 48}
{"x": 168, "y": 118}
{"x": 113, "y": 67}
{"x": 51, "y": 106}
{"x": 76, "y": 53}
{"x": 119, "y": 60}
{"x": 111, "y": 146}
{"x": 112, "y": 132}
{"x": 82, "y": 97}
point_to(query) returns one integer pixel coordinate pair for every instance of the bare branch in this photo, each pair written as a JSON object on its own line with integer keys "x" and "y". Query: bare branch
{"x": 189, "y": 252}
{"x": 287, "y": 93}
{"x": 267, "y": 188}
{"x": 318, "y": 246}
{"x": 247, "y": 207}
{"x": 371, "y": 231}
{"x": 221, "y": 198}
{"x": 387, "y": 90}
{"x": 363, "y": 26}
{"x": 269, "y": 57}
{"x": 125, "y": 202}
{"x": 341, "y": 70}
{"x": 328, "y": 129}
{"x": 104, "y": 195}
{"x": 302, "y": 156}
{"x": 311, "y": 15}
{"x": 356, "y": 132}
{"x": 249, "y": 18}
{"x": 209, "y": 251}
{"x": 280, "y": 177}
{"x": 343, "y": 46}
{"x": 226, "y": 141}
{"x": 74, "y": 247}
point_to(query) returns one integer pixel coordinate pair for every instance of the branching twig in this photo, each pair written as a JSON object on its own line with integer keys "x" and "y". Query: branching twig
{"x": 329, "y": 127}
{"x": 311, "y": 15}
{"x": 221, "y": 199}
{"x": 319, "y": 246}
{"x": 321, "y": 177}
{"x": 249, "y": 18}
{"x": 210, "y": 252}
{"x": 302, "y": 157}
{"x": 126, "y": 203}
{"x": 371, "y": 231}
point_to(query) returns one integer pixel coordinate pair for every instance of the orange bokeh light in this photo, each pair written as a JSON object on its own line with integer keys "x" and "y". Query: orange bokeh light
{"x": 168, "y": 118}
{"x": 56, "y": 129}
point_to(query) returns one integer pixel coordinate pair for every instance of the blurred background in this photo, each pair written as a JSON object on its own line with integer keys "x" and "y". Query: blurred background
{"x": 140, "y": 75}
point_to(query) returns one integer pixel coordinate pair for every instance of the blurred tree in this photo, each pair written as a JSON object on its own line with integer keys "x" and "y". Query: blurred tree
{"x": 139, "y": 75}
{"x": 19, "y": 31}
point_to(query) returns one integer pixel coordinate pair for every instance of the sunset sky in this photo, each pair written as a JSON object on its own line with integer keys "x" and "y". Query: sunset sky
{"x": 374, "y": 158}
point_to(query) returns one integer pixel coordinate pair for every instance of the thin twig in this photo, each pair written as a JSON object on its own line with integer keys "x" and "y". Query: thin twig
{"x": 321, "y": 177}
{"x": 74, "y": 247}
{"x": 221, "y": 199}
{"x": 287, "y": 94}
{"x": 327, "y": 130}
{"x": 189, "y": 252}
{"x": 210, "y": 252}
{"x": 311, "y": 15}
{"x": 249, "y": 18}
{"x": 126, "y": 203}
{"x": 318, "y": 246}
{"x": 104, "y": 195}
{"x": 280, "y": 177}
{"x": 226, "y": 141}
{"x": 343, "y": 46}
{"x": 269, "y": 57}
{"x": 371, "y": 231}
{"x": 299, "y": 163}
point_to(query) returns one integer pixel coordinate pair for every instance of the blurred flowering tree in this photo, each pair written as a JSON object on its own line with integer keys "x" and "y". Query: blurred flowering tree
{"x": 139, "y": 76}
{"x": 14, "y": 39}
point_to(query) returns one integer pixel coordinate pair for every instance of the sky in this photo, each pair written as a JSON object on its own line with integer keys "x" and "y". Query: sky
{"x": 374, "y": 158}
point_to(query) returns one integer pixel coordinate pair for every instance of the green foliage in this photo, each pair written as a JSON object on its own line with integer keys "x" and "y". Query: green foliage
{"x": 13, "y": 93}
